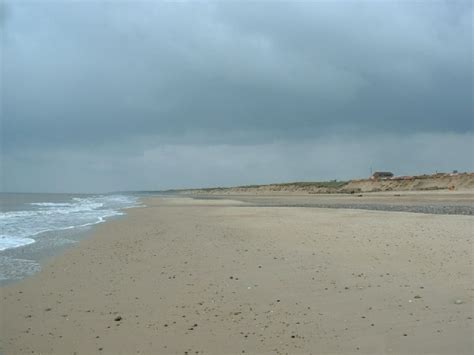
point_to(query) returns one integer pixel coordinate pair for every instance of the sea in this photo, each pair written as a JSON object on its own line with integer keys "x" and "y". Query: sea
{"x": 36, "y": 226}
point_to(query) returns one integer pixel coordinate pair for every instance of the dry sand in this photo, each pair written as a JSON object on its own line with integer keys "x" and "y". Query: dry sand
{"x": 214, "y": 277}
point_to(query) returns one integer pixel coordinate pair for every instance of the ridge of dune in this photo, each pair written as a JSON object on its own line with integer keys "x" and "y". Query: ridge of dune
{"x": 439, "y": 181}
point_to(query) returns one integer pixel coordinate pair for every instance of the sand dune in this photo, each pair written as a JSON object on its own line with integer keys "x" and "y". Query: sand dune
{"x": 435, "y": 182}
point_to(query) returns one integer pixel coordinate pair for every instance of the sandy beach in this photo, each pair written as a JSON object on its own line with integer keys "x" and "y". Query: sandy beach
{"x": 184, "y": 276}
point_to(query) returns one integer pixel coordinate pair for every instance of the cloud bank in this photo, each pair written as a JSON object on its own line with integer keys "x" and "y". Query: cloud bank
{"x": 116, "y": 96}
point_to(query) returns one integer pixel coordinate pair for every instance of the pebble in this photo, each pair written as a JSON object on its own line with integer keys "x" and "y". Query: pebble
{"x": 466, "y": 209}
{"x": 118, "y": 318}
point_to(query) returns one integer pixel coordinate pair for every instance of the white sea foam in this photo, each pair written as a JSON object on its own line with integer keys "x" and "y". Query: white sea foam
{"x": 7, "y": 242}
{"x": 19, "y": 227}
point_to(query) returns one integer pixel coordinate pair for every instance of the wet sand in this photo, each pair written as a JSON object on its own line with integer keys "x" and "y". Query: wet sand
{"x": 216, "y": 276}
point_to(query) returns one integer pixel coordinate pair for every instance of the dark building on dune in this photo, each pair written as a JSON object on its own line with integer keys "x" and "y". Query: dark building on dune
{"x": 381, "y": 175}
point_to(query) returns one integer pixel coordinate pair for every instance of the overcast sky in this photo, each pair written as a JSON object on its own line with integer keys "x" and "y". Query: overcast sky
{"x": 102, "y": 96}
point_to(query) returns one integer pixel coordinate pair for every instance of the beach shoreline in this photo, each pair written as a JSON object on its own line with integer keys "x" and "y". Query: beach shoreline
{"x": 220, "y": 276}
{"x": 36, "y": 227}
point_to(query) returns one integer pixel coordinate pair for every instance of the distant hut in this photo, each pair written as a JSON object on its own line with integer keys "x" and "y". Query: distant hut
{"x": 381, "y": 175}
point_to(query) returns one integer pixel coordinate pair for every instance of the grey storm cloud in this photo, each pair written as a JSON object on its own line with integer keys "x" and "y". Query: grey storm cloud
{"x": 123, "y": 79}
